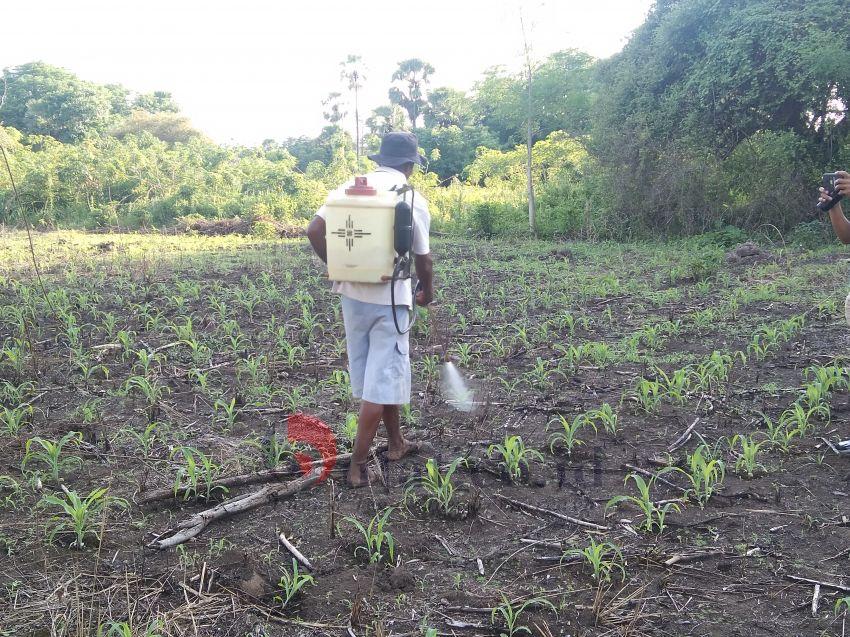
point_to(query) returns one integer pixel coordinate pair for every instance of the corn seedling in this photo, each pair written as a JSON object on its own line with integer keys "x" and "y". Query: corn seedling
{"x": 272, "y": 449}
{"x": 506, "y": 616}
{"x": 514, "y": 455}
{"x": 648, "y": 394}
{"x": 567, "y": 437}
{"x": 779, "y": 434}
{"x": 146, "y": 439}
{"x": 49, "y": 453}
{"x": 229, "y": 409}
{"x": 705, "y": 473}
{"x": 438, "y": 487}
{"x": 13, "y": 419}
{"x": 291, "y": 584}
{"x": 603, "y": 558}
{"x": 376, "y": 539}
{"x": 197, "y": 477}
{"x": 606, "y": 416}
{"x": 747, "y": 462}
{"x": 78, "y": 514}
{"x": 653, "y": 515}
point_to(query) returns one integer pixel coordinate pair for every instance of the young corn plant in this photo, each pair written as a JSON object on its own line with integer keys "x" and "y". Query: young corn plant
{"x": 506, "y": 617}
{"x": 514, "y": 455}
{"x": 653, "y": 514}
{"x": 567, "y": 437}
{"x": 78, "y": 515}
{"x": 291, "y": 584}
{"x": 747, "y": 462}
{"x": 378, "y": 542}
{"x": 676, "y": 385}
{"x": 779, "y": 434}
{"x": 228, "y": 410}
{"x": 705, "y": 473}
{"x": 648, "y": 394}
{"x": 145, "y": 439}
{"x": 49, "y": 453}
{"x": 197, "y": 477}
{"x": 605, "y": 416}
{"x": 603, "y": 558}
{"x": 798, "y": 418}
{"x": 438, "y": 487}
{"x": 272, "y": 449}
{"x": 15, "y": 418}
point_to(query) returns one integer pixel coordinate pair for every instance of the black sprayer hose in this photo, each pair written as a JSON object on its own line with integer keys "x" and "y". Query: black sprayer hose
{"x": 402, "y": 262}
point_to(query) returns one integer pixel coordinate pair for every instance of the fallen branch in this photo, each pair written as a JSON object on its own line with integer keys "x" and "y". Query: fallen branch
{"x": 684, "y": 438}
{"x": 298, "y": 555}
{"x": 806, "y": 580}
{"x": 681, "y": 558}
{"x": 245, "y": 479}
{"x": 560, "y": 516}
{"x": 653, "y": 475}
{"x": 192, "y": 527}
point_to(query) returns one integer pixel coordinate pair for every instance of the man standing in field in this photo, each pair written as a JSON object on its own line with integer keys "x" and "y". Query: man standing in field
{"x": 378, "y": 356}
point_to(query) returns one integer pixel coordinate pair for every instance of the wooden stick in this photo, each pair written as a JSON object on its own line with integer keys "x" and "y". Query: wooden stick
{"x": 653, "y": 475}
{"x": 806, "y": 580}
{"x": 683, "y": 439}
{"x": 816, "y": 600}
{"x": 560, "y": 516}
{"x": 258, "y": 477}
{"x": 192, "y": 527}
{"x": 298, "y": 555}
{"x": 681, "y": 558}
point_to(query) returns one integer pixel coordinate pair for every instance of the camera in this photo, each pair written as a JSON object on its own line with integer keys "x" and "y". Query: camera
{"x": 830, "y": 187}
{"x": 829, "y": 182}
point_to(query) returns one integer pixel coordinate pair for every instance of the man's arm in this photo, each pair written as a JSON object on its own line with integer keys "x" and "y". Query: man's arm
{"x": 840, "y": 223}
{"x": 316, "y": 235}
{"x": 425, "y": 274}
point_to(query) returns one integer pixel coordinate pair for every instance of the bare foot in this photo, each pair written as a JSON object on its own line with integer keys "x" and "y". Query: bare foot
{"x": 407, "y": 447}
{"x": 362, "y": 478}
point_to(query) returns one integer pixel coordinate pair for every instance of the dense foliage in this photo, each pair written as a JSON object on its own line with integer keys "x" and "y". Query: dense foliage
{"x": 713, "y": 114}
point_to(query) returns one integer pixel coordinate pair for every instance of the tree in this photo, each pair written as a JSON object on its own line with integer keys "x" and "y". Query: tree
{"x": 333, "y": 105}
{"x": 532, "y": 211}
{"x": 156, "y": 102}
{"x": 166, "y": 126}
{"x": 414, "y": 75}
{"x": 48, "y": 100}
{"x": 385, "y": 119}
{"x": 449, "y": 107}
{"x": 352, "y": 73}
{"x": 698, "y": 79}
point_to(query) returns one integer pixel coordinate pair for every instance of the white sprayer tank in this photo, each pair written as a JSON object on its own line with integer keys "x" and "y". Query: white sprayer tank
{"x": 359, "y": 233}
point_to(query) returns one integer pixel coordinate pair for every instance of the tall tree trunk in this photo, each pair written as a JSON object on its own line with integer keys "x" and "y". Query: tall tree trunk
{"x": 532, "y": 208}
{"x": 356, "y": 124}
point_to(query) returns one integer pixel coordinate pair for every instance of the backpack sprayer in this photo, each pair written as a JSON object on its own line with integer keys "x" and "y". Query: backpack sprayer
{"x": 370, "y": 238}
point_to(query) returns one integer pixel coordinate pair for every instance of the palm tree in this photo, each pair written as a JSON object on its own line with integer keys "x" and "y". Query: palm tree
{"x": 353, "y": 73}
{"x": 415, "y": 74}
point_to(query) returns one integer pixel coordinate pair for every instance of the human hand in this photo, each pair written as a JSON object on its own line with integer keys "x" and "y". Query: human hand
{"x": 842, "y": 183}
{"x": 424, "y": 297}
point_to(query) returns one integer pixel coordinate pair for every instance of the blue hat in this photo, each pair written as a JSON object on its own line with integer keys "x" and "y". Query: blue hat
{"x": 398, "y": 148}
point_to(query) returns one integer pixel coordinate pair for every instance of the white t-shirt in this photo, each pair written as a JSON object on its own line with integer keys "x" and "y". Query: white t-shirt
{"x": 386, "y": 178}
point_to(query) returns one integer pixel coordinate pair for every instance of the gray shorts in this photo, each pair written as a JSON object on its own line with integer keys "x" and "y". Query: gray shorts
{"x": 378, "y": 356}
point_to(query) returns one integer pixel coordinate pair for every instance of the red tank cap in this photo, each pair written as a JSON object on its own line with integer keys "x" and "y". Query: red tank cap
{"x": 360, "y": 187}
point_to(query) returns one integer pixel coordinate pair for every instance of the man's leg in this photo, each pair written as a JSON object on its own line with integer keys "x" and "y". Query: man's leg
{"x": 367, "y": 427}
{"x": 398, "y": 446}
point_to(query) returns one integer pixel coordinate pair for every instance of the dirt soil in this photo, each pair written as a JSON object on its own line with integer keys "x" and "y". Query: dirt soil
{"x": 738, "y": 565}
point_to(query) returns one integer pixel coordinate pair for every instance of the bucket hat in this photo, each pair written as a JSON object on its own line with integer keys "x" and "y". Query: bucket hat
{"x": 398, "y": 148}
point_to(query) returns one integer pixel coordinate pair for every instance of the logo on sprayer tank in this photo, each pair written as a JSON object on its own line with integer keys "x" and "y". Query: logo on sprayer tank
{"x": 349, "y": 233}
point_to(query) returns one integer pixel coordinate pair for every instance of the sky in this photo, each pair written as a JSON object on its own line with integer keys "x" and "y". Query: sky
{"x": 248, "y": 70}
